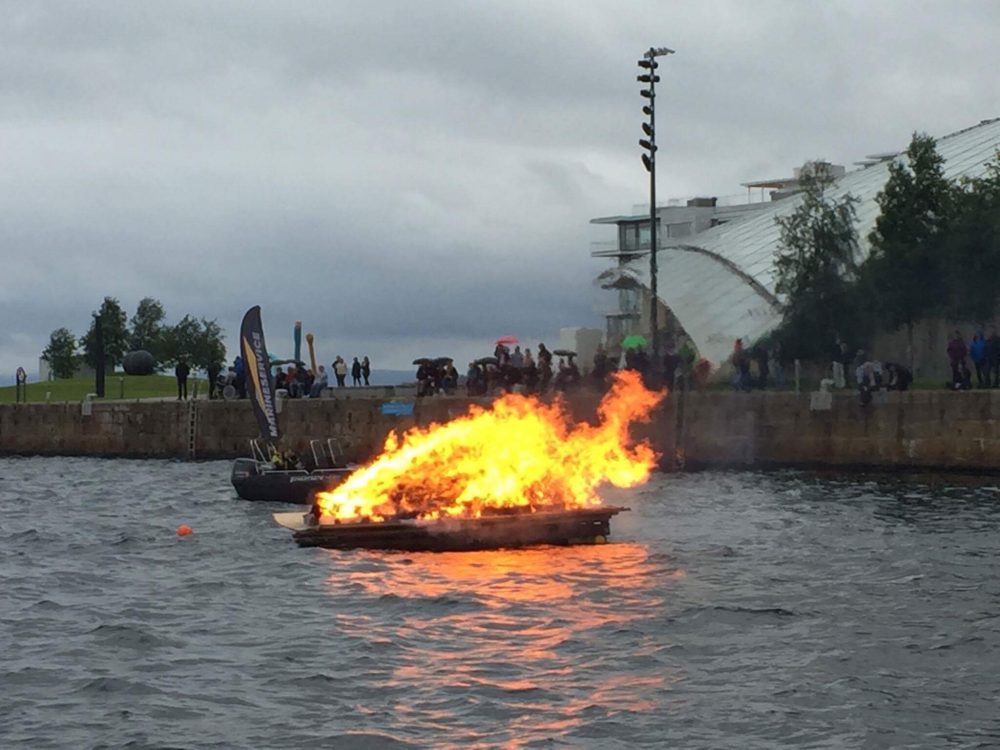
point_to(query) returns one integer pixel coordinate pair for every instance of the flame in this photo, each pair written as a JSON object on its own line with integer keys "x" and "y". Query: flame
{"x": 520, "y": 454}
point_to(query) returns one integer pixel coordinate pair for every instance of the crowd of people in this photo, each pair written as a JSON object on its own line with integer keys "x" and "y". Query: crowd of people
{"x": 508, "y": 370}
{"x": 984, "y": 353}
{"x": 297, "y": 380}
{"x": 513, "y": 369}
{"x": 980, "y": 356}
{"x": 756, "y": 367}
{"x": 302, "y": 382}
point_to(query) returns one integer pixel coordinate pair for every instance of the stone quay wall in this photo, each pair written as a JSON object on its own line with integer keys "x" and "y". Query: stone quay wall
{"x": 921, "y": 429}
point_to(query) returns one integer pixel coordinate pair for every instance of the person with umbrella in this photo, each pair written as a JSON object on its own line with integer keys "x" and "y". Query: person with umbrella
{"x": 544, "y": 355}
{"x": 473, "y": 379}
{"x": 449, "y": 378}
{"x": 544, "y": 368}
{"x": 502, "y": 349}
{"x": 424, "y": 376}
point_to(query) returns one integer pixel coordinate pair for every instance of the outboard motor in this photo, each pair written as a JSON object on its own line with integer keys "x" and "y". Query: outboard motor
{"x": 243, "y": 468}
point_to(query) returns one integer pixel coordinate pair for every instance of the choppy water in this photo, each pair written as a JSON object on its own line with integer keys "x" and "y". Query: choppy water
{"x": 735, "y": 610}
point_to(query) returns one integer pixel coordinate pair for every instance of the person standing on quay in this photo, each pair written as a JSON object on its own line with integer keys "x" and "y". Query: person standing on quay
{"x": 957, "y": 353}
{"x": 366, "y": 369}
{"x": 340, "y": 370}
{"x": 355, "y": 372}
{"x": 181, "y": 372}
{"x": 993, "y": 358}
{"x": 213, "y": 371}
{"x": 977, "y": 353}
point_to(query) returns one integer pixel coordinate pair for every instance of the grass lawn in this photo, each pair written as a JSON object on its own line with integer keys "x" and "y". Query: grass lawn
{"x": 132, "y": 386}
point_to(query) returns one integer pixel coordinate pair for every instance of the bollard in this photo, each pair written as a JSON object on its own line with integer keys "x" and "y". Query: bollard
{"x": 121, "y": 388}
{"x": 798, "y": 373}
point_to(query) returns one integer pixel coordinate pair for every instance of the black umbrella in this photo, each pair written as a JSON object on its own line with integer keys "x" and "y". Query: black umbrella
{"x": 423, "y": 361}
{"x": 563, "y": 353}
{"x": 441, "y": 361}
{"x": 486, "y": 361}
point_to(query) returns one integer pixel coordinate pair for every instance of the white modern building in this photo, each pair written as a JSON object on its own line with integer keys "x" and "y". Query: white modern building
{"x": 716, "y": 274}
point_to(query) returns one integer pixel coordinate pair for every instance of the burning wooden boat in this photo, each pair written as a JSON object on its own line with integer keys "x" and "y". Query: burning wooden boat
{"x": 517, "y": 474}
{"x": 493, "y": 531}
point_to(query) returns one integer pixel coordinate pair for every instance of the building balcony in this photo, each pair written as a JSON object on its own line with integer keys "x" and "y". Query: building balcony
{"x": 612, "y": 249}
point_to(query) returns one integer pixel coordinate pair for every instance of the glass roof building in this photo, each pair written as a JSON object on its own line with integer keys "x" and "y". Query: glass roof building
{"x": 716, "y": 263}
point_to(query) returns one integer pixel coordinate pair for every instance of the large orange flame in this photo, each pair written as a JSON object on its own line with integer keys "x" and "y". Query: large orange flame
{"x": 520, "y": 454}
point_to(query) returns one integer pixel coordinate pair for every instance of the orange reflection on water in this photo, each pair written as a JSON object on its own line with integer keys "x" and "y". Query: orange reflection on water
{"x": 546, "y": 637}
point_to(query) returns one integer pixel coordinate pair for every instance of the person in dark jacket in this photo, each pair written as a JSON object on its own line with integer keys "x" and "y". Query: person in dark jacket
{"x": 356, "y": 372}
{"x": 977, "y": 353}
{"x": 181, "y": 372}
{"x": 957, "y": 352}
{"x": 213, "y": 371}
{"x": 993, "y": 358}
{"x": 240, "y": 380}
{"x": 898, "y": 378}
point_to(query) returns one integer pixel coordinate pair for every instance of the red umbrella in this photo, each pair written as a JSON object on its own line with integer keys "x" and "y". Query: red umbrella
{"x": 507, "y": 340}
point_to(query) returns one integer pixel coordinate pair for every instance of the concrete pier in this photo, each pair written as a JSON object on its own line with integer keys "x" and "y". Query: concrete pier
{"x": 920, "y": 429}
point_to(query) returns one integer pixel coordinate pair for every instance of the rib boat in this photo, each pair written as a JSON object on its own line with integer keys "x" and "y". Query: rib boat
{"x": 256, "y": 478}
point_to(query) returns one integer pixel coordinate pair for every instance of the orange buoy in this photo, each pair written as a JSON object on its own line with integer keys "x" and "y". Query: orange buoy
{"x": 184, "y": 530}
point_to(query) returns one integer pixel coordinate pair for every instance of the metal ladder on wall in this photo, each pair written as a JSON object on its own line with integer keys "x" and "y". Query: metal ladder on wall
{"x": 192, "y": 427}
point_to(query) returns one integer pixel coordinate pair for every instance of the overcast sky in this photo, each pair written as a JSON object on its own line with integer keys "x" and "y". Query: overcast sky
{"x": 413, "y": 179}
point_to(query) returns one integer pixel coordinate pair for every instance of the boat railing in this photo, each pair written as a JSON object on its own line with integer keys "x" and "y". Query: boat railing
{"x": 319, "y": 454}
{"x": 336, "y": 448}
{"x": 261, "y": 453}
{"x": 327, "y": 454}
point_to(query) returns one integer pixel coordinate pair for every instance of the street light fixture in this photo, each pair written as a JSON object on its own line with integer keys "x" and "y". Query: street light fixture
{"x": 648, "y": 63}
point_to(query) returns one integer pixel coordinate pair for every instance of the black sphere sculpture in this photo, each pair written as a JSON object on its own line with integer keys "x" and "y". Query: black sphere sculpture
{"x": 139, "y": 362}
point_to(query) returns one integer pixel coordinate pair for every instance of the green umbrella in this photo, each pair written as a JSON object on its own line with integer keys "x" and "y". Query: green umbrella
{"x": 635, "y": 341}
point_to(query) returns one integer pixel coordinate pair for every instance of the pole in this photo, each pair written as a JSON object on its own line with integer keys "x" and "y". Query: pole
{"x": 99, "y": 345}
{"x": 654, "y": 327}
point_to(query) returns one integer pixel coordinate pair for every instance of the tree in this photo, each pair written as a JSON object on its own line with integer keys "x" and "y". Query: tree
{"x": 146, "y": 327}
{"x": 973, "y": 246}
{"x": 907, "y": 267}
{"x": 209, "y": 348}
{"x": 199, "y": 342}
{"x": 113, "y": 325}
{"x": 61, "y": 353}
{"x": 815, "y": 266}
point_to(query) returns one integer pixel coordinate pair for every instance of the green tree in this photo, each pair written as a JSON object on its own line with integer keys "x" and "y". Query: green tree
{"x": 210, "y": 347}
{"x": 908, "y": 267}
{"x": 198, "y": 342}
{"x": 61, "y": 353}
{"x": 146, "y": 327}
{"x": 113, "y": 325}
{"x": 973, "y": 246}
{"x": 816, "y": 263}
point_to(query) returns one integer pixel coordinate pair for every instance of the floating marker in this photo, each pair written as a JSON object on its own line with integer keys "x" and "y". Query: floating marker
{"x": 184, "y": 530}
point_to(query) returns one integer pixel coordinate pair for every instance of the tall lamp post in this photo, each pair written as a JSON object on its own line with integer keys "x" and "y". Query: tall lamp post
{"x": 649, "y": 65}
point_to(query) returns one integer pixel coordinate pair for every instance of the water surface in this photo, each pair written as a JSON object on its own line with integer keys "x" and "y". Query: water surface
{"x": 735, "y": 610}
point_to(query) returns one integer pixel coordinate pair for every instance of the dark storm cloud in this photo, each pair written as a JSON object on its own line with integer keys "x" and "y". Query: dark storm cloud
{"x": 408, "y": 176}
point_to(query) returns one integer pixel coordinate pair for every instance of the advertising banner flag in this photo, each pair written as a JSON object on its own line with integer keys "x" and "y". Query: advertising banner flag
{"x": 258, "y": 374}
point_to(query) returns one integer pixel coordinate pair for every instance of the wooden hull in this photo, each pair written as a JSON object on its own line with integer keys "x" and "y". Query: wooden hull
{"x": 583, "y": 526}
